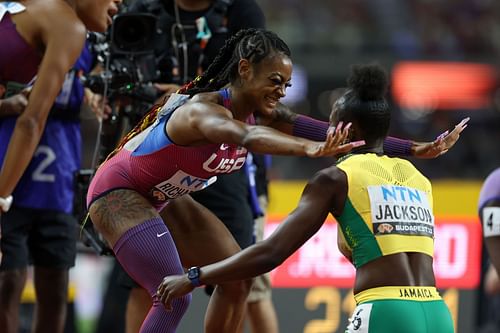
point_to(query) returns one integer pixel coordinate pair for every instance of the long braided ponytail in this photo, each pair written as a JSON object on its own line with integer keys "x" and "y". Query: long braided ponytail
{"x": 251, "y": 44}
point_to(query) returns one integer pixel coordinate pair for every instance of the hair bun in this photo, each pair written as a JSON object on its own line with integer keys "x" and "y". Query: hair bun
{"x": 369, "y": 82}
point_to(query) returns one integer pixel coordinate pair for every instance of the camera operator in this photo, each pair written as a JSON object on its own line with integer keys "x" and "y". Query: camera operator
{"x": 189, "y": 36}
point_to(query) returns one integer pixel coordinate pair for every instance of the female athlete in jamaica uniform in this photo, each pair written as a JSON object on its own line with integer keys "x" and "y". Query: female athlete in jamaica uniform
{"x": 383, "y": 207}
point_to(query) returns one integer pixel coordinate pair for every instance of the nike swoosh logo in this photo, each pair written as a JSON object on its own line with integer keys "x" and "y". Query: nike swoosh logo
{"x": 163, "y": 233}
{"x": 224, "y": 146}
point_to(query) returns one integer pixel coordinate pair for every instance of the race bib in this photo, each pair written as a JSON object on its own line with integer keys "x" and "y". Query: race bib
{"x": 491, "y": 221}
{"x": 400, "y": 210}
{"x": 179, "y": 184}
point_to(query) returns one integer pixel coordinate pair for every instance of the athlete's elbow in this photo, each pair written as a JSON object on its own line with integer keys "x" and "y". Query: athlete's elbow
{"x": 249, "y": 140}
{"x": 30, "y": 125}
{"x": 254, "y": 140}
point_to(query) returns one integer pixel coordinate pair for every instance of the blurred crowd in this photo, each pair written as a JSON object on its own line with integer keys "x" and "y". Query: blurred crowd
{"x": 326, "y": 36}
{"x": 413, "y": 28}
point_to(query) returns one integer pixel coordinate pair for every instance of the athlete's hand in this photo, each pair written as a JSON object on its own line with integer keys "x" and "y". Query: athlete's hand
{"x": 441, "y": 145}
{"x": 333, "y": 144}
{"x": 97, "y": 103}
{"x": 172, "y": 287}
{"x": 14, "y": 105}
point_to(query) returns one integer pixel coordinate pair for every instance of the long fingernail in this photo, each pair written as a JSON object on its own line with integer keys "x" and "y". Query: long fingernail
{"x": 358, "y": 143}
{"x": 348, "y": 126}
{"x": 464, "y": 121}
{"x": 330, "y": 130}
{"x": 442, "y": 135}
{"x": 339, "y": 126}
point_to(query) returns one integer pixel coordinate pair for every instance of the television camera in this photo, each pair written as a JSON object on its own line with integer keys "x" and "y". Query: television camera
{"x": 126, "y": 58}
{"x": 126, "y": 55}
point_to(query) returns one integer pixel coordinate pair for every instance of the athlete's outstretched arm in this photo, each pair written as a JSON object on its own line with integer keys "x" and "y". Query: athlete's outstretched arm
{"x": 441, "y": 145}
{"x": 287, "y": 121}
{"x": 206, "y": 122}
{"x": 324, "y": 191}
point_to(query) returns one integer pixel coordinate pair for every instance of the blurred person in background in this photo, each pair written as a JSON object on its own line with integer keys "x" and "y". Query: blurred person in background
{"x": 375, "y": 200}
{"x": 43, "y": 151}
{"x": 489, "y": 214}
{"x": 259, "y": 301}
{"x": 35, "y": 43}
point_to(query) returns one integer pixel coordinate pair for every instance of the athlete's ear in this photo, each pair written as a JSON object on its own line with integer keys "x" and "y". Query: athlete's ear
{"x": 244, "y": 69}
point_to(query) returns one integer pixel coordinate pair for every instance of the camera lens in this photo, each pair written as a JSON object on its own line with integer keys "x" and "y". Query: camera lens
{"x": 133, "y": 32}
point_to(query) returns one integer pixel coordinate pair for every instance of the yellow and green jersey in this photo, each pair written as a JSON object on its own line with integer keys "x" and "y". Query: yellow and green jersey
{"x": 388, "y": 208}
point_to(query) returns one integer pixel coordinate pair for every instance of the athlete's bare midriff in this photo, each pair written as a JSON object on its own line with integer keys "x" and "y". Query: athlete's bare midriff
{"x": 400, "y": 269}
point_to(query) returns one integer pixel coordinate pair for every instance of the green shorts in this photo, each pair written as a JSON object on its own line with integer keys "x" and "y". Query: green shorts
{"x": 400, "y": 310}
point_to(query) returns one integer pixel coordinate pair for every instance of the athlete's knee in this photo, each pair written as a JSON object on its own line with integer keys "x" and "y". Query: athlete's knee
{"x": 55, "y": 297}
{"x": 158, "y": 315}
{"x": 12, "y": 283}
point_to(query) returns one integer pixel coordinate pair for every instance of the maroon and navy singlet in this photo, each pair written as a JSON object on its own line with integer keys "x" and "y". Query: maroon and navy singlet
{"x": 18, "y": 60}
{"x": 160, "y": 170}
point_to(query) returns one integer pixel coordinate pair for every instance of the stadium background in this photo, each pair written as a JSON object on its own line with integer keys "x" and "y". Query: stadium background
{"x": 442, "y": 56}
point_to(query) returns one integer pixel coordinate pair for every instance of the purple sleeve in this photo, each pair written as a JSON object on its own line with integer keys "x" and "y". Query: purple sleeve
{"x": 313, "y": 129}
{"x": 310, "y": 128}
{"x": 397, "y": 147}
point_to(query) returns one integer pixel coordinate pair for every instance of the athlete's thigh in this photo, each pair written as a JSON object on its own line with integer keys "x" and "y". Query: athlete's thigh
{"x": 201, "y": 238}
{"x": 53, "y": 240}
{"x": 118, "y": 211}
{"x": 15, "y": 227}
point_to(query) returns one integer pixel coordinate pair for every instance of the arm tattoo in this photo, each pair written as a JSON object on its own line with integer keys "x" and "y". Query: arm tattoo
{"x": 282, "y": 113}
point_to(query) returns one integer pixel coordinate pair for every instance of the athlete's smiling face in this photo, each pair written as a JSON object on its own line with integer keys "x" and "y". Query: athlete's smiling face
{"x": 265, "y": 83}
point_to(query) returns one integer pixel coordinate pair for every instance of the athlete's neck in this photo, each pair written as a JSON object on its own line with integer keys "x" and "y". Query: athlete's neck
{"x": 368, "y": 149}
{"x": 240, "y": 105}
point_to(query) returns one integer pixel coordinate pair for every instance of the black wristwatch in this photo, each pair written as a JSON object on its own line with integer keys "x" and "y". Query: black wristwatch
{"x": 194, "y": 276}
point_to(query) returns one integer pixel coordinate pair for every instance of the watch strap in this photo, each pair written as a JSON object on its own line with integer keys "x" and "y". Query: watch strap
{"x": 5, "y": 203}
{"x": 194, "y": 276}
